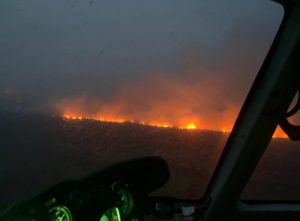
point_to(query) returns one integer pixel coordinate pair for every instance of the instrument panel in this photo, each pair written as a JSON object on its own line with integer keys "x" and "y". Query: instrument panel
{"x": 115, "y": 194}
{"x": 76, "y": 205}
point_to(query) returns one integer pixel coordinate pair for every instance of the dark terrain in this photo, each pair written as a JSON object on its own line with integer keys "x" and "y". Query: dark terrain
{"x": 38, "y": 151}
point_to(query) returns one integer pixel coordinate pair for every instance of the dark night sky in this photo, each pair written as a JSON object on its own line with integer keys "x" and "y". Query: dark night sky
{"x": 63, "y": 49}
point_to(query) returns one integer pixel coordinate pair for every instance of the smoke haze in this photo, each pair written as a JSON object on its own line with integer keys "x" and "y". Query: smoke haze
{"x": 171, "y": 62}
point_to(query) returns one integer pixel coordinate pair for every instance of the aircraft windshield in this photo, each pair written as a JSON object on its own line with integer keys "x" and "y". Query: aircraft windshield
{"x": 86, "y": 84}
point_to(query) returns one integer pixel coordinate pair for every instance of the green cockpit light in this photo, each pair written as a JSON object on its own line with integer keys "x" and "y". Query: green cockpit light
{"x": 112, "y": 214}
{"x": 60, "y": 213}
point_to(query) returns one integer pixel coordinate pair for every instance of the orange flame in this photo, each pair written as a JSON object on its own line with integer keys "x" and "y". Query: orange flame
{"x": 191, "y": 126}
{"x": 279, "y": 133}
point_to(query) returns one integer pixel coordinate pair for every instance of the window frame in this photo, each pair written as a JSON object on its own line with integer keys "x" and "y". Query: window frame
{"x": 270, "y": 96}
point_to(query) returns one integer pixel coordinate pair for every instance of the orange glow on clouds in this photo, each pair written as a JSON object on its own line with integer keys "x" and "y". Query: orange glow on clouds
{"x": 164, "y": 101}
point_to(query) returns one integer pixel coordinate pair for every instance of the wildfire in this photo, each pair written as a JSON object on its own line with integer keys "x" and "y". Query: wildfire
{"x": 163, "y": 101}
{"x": 189, "y": 126}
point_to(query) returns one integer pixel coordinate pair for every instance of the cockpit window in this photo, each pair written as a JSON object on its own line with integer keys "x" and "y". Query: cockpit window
{"x": 86, "y": 84}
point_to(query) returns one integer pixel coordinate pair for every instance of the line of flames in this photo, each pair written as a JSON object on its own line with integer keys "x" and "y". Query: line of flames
{"x": 189, "y": 126}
